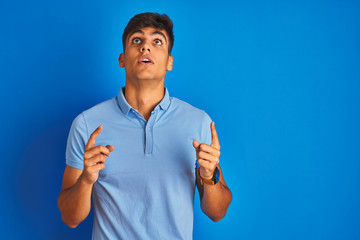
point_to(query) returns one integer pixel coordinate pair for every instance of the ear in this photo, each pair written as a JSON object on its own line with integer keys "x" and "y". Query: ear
{"x": 169, "y": 66}
{"x": 122, "y": 60}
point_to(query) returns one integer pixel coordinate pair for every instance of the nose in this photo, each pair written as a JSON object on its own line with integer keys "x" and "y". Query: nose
{"x": 145, "y": 47}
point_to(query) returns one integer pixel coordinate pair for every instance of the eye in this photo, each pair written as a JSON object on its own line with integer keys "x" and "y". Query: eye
{"x": 158, "y": 42}
{"x": 136, "y": 40}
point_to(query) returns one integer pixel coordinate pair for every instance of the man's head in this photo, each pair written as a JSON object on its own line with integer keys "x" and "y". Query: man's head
{"x": 155, "y": 20}
{"x": 147, "y": 41}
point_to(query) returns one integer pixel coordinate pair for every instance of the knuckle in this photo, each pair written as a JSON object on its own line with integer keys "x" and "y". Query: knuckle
{"x": 102, "y": 158}
{"x": 88, "y": 162}
{"x": 106, "y": 150}
{"x": 86, "y": 166}
{"x": 99, "y": 158}
{"x": 99, "y": 149}
{"x": 203, "y": 163}
{"x": 103, "y": 148}
{"x": 203, "y": 146}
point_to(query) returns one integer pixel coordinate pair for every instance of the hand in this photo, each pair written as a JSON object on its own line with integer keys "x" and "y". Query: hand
{"x": 94, "y": 157}
{"x": 208, "y": 156}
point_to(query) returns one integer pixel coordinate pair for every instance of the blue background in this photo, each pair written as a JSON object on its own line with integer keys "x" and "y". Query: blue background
{"x": 279, "y": 78}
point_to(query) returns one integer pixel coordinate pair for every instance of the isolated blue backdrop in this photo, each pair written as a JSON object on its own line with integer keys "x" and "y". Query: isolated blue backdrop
{"x": 281, "y": 80}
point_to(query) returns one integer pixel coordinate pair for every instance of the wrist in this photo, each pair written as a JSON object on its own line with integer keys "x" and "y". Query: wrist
{"x": 208, "y": 176}
{"x": 83, "y": 180}
{"x": 212, "y": 180}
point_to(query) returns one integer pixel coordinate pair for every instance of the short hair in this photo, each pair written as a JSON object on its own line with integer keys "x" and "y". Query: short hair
{"x": 148, "y": 19}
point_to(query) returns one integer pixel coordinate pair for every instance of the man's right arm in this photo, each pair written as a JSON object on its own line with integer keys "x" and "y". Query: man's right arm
{"x": 74, "y": 201}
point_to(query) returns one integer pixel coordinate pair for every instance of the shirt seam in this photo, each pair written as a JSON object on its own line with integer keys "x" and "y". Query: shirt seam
{"x": 87, "y": 129}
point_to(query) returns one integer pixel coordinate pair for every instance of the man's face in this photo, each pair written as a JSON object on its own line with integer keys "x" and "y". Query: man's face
{"x": 146, "y": 55}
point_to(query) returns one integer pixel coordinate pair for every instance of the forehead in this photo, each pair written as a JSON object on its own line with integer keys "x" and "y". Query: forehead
{"x": 149, "y": 31}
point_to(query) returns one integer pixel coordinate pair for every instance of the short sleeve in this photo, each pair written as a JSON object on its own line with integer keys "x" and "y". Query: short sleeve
{"x": 76, "y": 142}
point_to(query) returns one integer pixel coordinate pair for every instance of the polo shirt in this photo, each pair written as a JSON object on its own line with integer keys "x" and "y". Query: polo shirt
{"x": 146, "y": 190}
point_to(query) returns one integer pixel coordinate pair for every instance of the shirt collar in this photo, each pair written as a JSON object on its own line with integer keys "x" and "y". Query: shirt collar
{"x": 125, "y": 106}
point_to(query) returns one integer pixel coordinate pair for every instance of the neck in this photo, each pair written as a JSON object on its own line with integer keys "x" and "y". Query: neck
{"x": 144, "y": 98}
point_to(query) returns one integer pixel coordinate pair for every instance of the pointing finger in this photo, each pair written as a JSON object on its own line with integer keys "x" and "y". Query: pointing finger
{"x": 214, "y": 137}
{"x": 91, "y": 143}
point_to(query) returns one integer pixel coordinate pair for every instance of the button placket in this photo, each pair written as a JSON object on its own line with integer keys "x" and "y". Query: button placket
{"x": 149, "y": 134}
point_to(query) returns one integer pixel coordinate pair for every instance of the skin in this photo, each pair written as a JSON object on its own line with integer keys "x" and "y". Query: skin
{"x": 74, "y": 201}
{"x": 143, "y": 91}
{"x": 214, "y": 199}
{"x": 145, "y": 83}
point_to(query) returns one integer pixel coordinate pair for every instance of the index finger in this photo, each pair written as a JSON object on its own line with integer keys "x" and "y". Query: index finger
{"x": 214, "y": 137}
{"x": 91, "y": 143}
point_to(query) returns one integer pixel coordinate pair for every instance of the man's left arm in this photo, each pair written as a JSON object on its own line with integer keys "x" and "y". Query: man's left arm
{"x": 214, "y": 199}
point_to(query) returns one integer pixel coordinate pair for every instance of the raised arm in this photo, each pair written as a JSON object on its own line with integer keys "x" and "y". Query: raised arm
{"x": 74, "y": 201}
{"x": 214, "y": 199}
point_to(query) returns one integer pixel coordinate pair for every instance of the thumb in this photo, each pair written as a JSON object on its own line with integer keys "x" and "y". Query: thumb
{"x": 110, "y": 147}
{"x": 196, "y": 144}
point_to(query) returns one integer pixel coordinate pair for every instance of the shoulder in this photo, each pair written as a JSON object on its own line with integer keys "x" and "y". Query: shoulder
{"x": 97, "y": 113}
{"x": 108, "y": 106}
{"x": 194, "y": 120}
{"x": 189, "y": 110}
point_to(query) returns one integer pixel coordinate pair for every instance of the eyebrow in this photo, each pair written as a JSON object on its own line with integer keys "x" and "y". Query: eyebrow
{"x": 154, "y": 33}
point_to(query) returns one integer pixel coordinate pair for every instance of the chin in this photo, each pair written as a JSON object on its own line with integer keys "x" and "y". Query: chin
{"x": 145, "y": 77}
{"x": 148, "y": 76}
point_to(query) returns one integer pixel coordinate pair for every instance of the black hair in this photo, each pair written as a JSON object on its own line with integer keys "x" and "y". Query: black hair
{"x": 148, "y": 19}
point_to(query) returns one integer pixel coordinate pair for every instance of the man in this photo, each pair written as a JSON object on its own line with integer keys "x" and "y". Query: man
{"x": 135, "y": 155}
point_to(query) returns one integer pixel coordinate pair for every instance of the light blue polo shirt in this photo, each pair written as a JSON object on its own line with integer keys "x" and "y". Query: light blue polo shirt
{"x": 146, "y": 190}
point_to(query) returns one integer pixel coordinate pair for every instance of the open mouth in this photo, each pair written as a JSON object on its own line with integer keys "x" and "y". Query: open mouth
{"x": 145, "y": 60}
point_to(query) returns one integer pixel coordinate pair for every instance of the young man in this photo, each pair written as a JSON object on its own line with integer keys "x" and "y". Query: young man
{"x": 135, "y": 155}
